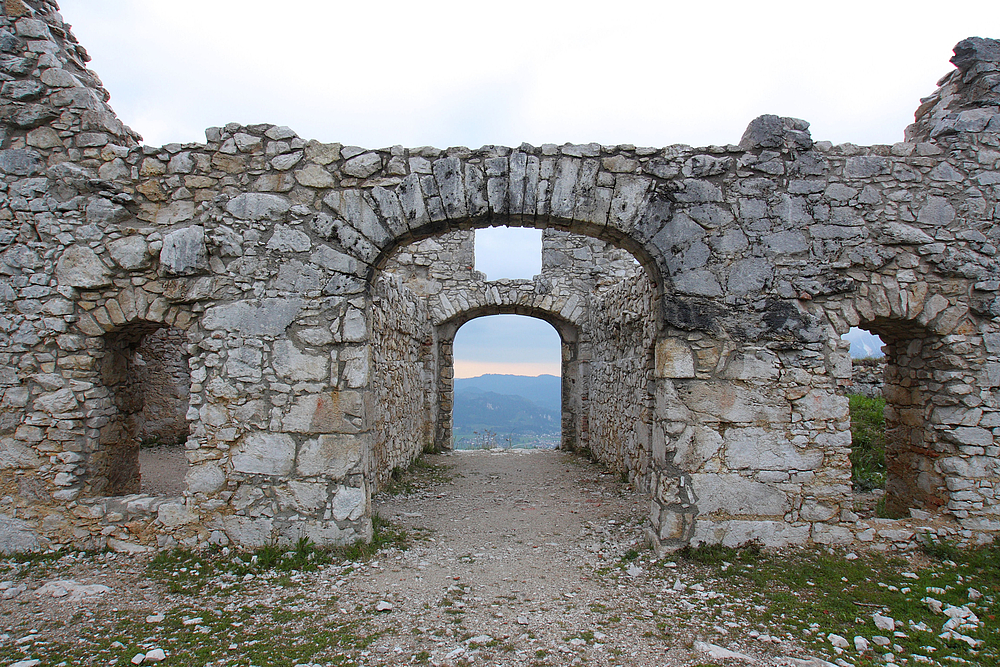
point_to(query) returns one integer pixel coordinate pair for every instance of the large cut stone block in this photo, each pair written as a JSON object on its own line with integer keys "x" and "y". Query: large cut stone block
{"x": 264, "y": 453}
{"x": 735, "y": 533}
{"x": 734, "y": 495}
{"x": 674, "y": 359}
{"x": 270, "y": 318}
{"x": 759, "y": 449}
{"x": 80, "y": 266}
{"x": 327, "y": 412}
{"x": 247, "y": 532}
{"x": 723, "y": 401}
{"x": 294, "y": 365}
{"x": 350, "y": 503}
{"x": 331, "y": 455}
{"x": 184, "y": 251}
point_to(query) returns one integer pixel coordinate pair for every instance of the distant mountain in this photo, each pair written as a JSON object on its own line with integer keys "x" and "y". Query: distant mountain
{"x": 863, "y": 343}
{"x": 477, "y": 410}
{"x": 545, "y": 391}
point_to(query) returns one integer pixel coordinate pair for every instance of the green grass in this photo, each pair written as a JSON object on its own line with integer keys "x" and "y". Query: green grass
{"x": 867, "y": 442}
{"x": 811, "y": 593}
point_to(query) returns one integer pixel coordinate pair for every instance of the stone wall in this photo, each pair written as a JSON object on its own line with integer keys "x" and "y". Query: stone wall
{"x": 867, "y": 377}
{"x": 403, "y": 370}
{"x": 165, "y": 380}
{"x": 266, "y": 250}
{"x": 621, "y": 328}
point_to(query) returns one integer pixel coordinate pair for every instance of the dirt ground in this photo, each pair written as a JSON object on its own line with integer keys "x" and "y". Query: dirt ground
{"x": 518, "y": 558}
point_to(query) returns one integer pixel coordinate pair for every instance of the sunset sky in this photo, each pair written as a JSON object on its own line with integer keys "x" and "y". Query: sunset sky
{"x": 460, "y": 73}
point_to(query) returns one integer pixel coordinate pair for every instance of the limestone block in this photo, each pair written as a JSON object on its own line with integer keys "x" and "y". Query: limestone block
{"x": 350, "y": 503}
{"x": 937, "y": 212}
{"x": 326, "y": 412}
{"x": 814, "y": 510}
{"x": 762, "y": 449}
{"x": 831, "y": 535}
{"x": 749, "y": 275}
{"x": 79, "y": 266}
{"x": 735, "y": 495}
{"x": 43, "y": 137}
{"x": 296, "y": 366}
{"x": 56, "y": 402}
{"x": 674, "y": 359}
{"x": 772, "y": 534}
{"x": 334, "y": 260}
{"x": 173, "y": 515}
{"x": 332, "y": 455}
{"x": 728, "y": 402}
{"x": 866, "y": 166}
{"x": 329, "y": 533}
{"x": 244, "y": 363}
{"x": 286, "y": 239}
{"x": 205, "y": 477}
{"x": 270, "y": 318}
{"x": 130, "y": 252}
{"x": 21, "y": 162}
{"x": 903, "y": 234}
{"x": 302, "y": 496}
{"x": 258, "y": 206}
{"x": 697, "y": 283}
{"x": 819, "y": 404}
{"x": 362, "y": 166}
{"x": 979, "y": 437}
{"x": 16, "y": 536}
{"x": 315, "y": 176}
{"x": 247, "y": 532}
{"x": 15, "y": 454}
{"x": 752, "y": 365}
{"x": 263, "y": 453}
{"x": 177, "y": 211}
{"x": 697, "y": 445}
{"x": 184, "y": 252}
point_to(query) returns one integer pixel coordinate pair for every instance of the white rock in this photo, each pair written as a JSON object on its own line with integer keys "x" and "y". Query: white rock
{"x": 884, "y": 622}
{"x": 156, "y": 655}
{"x": 861, "y": 644}
{"x": 974, "y": 594}
{"x": 26, "y": 663}
{"x": 838, "y": 641}
{"x": 719, "y": 653}
{"x": 383, "y": 606}
{"x": 138, "y": 658}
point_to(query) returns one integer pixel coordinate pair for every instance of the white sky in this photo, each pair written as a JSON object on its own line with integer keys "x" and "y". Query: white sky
{"x": 465, "y": 73}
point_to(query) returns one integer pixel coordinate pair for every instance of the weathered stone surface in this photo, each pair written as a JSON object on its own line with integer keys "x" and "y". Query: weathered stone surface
{"x": 734, "y": 495}
{"x": 130, "y": 252}
{"x": 349, "y": 503}
{"x": 16, "y": 536}
{"x": 258, "y": 206}
{"x": 184, "y": 252}
{"x": 674, "y": 359}
{"x": 761, "y": 449}
{"x": 294, "y": 365}
{"x": 269, "y": 317}
{"x": 333, "y": 455}
{"x": 79, "y": 266}
{"x": 773, "y": 534}
{"x": 286, "y": 239}
{"x": 362, "y": 166}
{"x": 265, "y": 454}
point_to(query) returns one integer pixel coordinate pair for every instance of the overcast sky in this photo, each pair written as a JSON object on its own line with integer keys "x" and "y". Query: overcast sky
{"x": 466, "y": 73}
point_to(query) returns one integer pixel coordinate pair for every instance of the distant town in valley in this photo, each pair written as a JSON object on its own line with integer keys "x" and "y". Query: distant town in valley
{"x": 507, "y": 411}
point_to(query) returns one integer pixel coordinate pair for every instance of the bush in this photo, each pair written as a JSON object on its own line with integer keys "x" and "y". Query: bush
{"x": 867, "y": 442}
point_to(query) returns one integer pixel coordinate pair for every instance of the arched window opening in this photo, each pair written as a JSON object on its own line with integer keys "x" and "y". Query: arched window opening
{"x": 513, "y": 253}
{"x": 507, "y": 390}
{"x": 145, "y": 367}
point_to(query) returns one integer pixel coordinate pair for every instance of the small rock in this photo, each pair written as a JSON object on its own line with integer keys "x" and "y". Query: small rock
{"x": 838, "y": 641}
{"x": 880, "y": 640}
{"x": 861, "y": 644}
{"x": 155, "y": 618}
{"x": 522, "y": 620}
{"x": 884, "y": 622}
{"x": 719, "y": 653}
{"x": 383, "y": 606}
{"x": 634, "y": 570}
{"x": 138, "y": 658}
{"x": 27, "y": 663}
{"x": 156, "y": 655}
{"x": 974, "y": 594}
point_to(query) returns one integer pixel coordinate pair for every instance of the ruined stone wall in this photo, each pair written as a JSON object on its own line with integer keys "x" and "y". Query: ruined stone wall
{"x": 403, "y": 374}
{"x": 621, "y": 327}
{"x": 265, "y": 249}
{"x": 867, "y": 377}
{"x": 165, "y": 380}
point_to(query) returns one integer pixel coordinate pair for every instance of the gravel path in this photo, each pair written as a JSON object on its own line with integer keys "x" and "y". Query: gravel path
{"x": 517, "y": 558}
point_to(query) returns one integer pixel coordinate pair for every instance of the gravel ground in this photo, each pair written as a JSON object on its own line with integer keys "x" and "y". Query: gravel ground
{"x": 517, "y": 558}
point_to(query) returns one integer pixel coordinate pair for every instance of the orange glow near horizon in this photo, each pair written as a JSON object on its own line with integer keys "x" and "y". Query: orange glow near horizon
{"x": 471, "y": 369}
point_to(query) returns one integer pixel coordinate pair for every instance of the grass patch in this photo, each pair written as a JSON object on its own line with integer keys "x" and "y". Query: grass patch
{"x": 810, "y": 594}
{"x": 867, "y": 442}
